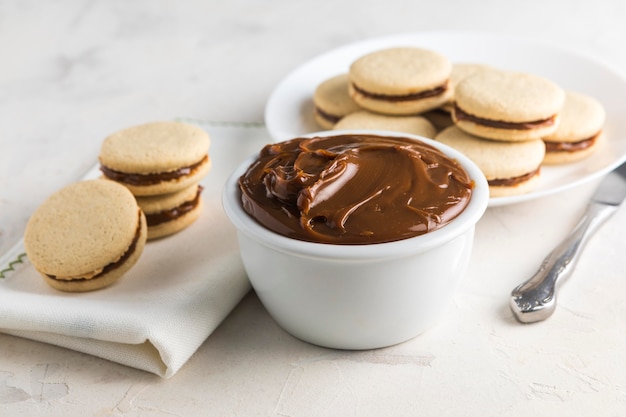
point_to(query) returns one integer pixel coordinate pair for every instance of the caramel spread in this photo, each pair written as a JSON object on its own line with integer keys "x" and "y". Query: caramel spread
{"x": 149, "y": 179}
{"x": 112, "y": 265}
{"x": 327, "y": 116}
{"x": 154, "y": 219}
{"x": 571, "y": 146}
{"x": 509, "y": 182}
{"x": 405, "y": 97}
{"x": 461, "y": 115}
{"x": 354, "y": 189}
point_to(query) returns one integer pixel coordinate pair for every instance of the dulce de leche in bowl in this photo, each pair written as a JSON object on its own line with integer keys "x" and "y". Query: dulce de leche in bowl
{"x": 354, "y": 189}
{"x": 356, "y": 239}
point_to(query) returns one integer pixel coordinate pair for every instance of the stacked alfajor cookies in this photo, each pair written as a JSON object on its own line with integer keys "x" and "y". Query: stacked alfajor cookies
{"x": 510, "y": 123}
{"x": 499, "y": 120}
{"x": 161, "y": 163}
{"x": 88, "y": 234}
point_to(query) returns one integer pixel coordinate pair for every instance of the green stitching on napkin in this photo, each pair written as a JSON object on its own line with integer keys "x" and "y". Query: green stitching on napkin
{"x": 18, "y": 260}
{"x": 218, "y": 123}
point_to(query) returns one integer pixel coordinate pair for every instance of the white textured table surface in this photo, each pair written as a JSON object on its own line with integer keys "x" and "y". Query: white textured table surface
{"x": 74, "y": 71}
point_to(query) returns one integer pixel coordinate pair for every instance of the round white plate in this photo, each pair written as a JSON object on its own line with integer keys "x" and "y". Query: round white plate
{"x": 289, "y": 110}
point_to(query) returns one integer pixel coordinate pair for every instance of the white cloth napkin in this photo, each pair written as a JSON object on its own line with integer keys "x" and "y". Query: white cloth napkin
{"x": 158, "y": 314}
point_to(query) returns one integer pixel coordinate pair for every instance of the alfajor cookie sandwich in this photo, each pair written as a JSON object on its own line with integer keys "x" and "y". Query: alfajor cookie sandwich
{"x": 507, "y": 105}
{"x": 156, "y": 158}
{"x": 579, "y": 132}
{"x": 511, "y": 168}
{"x": 363, "y": 119}
{"x": 86, "y": 235}
{"x": 400, "y": 81}
{"x": 167, "y": 214}
{"x": 332, "y": 101}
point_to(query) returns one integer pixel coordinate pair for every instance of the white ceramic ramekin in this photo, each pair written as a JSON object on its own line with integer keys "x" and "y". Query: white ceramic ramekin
{"x": 357, "y": 296}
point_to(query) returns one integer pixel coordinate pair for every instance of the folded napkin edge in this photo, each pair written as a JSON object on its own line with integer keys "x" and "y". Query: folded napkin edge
{"x": 143, "y": 356}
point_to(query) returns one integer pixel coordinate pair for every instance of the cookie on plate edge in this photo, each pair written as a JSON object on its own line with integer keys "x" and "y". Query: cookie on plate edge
{"x": 580, "y": 130}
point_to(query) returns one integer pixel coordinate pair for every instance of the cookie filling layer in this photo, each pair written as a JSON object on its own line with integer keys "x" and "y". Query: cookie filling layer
{"x": 151, "y": 179}
{"x": 154, "y": 219}
{"x": 512, "y": 182}
{"x": 459, "y": 114}
{"x": 354, "y": 189}
{"x": 327, "y": 116}
{"x": 113, "y": 265}
{"x": 571, "y": 146}
{"x": 434, "y": 92}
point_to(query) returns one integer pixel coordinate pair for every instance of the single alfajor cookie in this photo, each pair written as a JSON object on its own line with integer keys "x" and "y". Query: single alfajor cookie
{"x": 507, "y": 105}
{"x": 167, "y": 214}
{"x": 364, "y": 119}
{"x": 400, "y": 81}
{"x": 579, "y": 131}
{"x": 156, "y": 158}
{"x": 332, "y": 101}
{"x": 511, "y": 168}
{"x": 86, "y": 235}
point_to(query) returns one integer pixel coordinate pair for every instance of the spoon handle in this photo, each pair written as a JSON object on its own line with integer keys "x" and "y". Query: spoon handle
{"x": 535, "y": 299}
